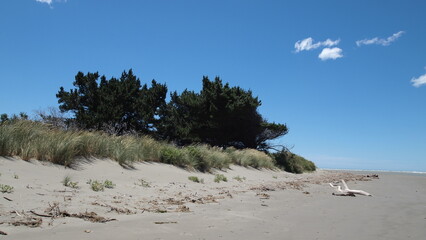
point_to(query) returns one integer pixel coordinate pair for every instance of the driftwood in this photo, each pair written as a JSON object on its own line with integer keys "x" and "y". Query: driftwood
{"x": 346, "y": 191}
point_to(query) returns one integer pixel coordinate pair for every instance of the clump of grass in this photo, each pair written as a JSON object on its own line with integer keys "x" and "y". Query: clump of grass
{"x": 67, "y": 182}
{"x": 251, "y": 158}
{"x": 6, "y": 188}
{"x": 220, "y": 177}
{"x": 175, "y": 156}
{"x": 96, "y": 185}
{"x": 196, "y": 179}
{"x": 274, "y": 177}
{"x": 109, "y": 184}
{"x": 143, "y": 183}
{"x": 240, "y": 179}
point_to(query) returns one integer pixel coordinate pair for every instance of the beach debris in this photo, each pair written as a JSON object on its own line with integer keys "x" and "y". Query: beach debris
{"x": 373, "y": 176}
{"x": 346, "y": 191}
{"x": 2, "y": 233}
{"x": 297, "y": 185}
{"x": 41, "y": 215}
{"x": 263, "y": 195}
{"x": 91, "y": 216}
{"x": 17, "y": 213}
{"x": 263, "y": 188}
{"x": 32, "y": 222}
{"x": 8, "y": 199}
{"x": 182, "y": 208}
{"x": 115, "y": 209}
{"x": 165, "y": 222}
{"x": 54, "y": 212}
{"x": 87, "y": 231}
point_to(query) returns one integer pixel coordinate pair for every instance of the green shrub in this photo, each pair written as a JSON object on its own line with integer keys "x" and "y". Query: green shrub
{"x": 68, "y": 183}
{"x": 6, "y": 188}
{"x": 220, "y": 177}
{"x": 96, "y": 185}
{"x": 108, "y": 184}
{"x": 291, "y": 162}
{"x": 240, "y": 179}
{"x": 196, "y": 179}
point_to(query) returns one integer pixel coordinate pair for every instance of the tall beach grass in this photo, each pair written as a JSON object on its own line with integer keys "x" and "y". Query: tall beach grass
{"x": 35, "y": 140}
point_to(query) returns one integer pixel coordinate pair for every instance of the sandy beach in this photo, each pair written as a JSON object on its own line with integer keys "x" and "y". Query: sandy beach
{"x": 158, "y": 201}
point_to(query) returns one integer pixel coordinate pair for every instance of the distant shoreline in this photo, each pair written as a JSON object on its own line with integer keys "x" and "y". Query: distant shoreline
{"x": 415, "y": 173}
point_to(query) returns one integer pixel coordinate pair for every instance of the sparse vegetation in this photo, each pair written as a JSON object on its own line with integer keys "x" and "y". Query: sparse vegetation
{"x": 15, "y": 176}
{"x": 220, "y": 177}
{"x": 196, "y": 179}
{"x": 108, "y": 184}
{"x": 67, "y": 182}
{"x": 96, "y": 185}
{"x": 142, "y": 183}
{"x": 6, "y": 188}
{"x": 240, "y": 179}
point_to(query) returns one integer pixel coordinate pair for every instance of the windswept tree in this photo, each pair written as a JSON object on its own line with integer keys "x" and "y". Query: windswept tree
{"x": 219, "y": 115}
{"x": 120, "y": 105}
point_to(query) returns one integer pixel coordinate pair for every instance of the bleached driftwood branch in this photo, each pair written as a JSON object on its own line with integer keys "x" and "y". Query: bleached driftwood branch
{"x": 346, "y": 191}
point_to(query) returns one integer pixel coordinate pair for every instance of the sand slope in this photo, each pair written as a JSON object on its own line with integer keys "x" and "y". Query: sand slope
{"x": 265, "y": 205}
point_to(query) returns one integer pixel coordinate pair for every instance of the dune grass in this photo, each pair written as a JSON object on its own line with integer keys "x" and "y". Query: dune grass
{"x": 35, "y": 140}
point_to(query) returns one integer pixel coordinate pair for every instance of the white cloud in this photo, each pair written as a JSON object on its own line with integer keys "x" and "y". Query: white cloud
{"x": 417, "y": 82}
{"x": 380, "y": 41}
{"x": 307, "y": 44}
{"x": 330, "y": 53}
{"x": 45, "y": 1}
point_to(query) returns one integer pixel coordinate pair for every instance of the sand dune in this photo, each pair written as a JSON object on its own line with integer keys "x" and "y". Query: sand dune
{"x": 158, "y": 201}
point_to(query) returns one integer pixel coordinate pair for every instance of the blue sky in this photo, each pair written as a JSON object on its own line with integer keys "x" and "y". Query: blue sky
{"x": 347, "y": 77}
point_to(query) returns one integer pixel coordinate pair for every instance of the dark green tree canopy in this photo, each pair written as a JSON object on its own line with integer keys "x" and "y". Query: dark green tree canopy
{"x": 121, "y": 104}
{"x": 219, "y": 115}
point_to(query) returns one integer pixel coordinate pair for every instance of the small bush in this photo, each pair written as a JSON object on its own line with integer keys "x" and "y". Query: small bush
{"x": 291, "y": 162}
{"x": 195, "y": 179}
{"x": 220, "y": 177}
{"x": 68, "y": 183}
{"x": 108, "y": 184}
{"x": 6, "y": 188}
{"x": 96, "y": 185}
{"x": 240, "y": 179}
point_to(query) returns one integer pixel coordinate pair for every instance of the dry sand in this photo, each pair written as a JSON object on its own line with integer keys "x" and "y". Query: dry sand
{"x": 157, "y": 201}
